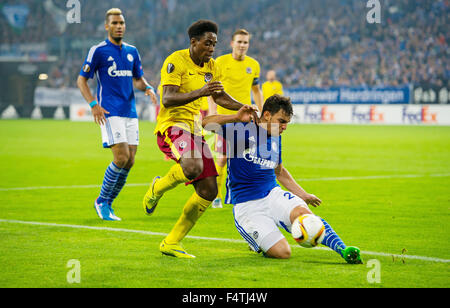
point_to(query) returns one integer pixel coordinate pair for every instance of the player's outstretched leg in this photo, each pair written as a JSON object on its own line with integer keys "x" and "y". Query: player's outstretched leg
{"x": 350, "y": 254}
{"x": 192, "y": 211}
{"x": 198, "y": 203}
{"x": 159, "y": 186}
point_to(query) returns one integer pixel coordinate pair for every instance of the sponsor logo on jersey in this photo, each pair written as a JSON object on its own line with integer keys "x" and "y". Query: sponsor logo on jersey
{"x": 250, "y": 155}
{"x": 113, "y": 72}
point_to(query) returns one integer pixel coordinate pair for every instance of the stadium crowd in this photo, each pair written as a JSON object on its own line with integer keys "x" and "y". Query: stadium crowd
{"x": 309, "y": 43}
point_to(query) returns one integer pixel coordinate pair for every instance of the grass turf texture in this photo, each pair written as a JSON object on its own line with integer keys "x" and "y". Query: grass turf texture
{"x": 384, "y": 215}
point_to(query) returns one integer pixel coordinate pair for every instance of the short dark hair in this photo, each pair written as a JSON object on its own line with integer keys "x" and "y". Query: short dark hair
{"x": 200, "y": 27}
{"x": 276, "y": 102}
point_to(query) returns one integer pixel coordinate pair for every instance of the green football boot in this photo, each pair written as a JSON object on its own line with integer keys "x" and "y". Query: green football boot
{"x": 352, "y": 255}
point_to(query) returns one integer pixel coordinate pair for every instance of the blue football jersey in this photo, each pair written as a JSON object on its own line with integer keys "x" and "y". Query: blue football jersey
{"x": 114, "y": 67}
{"x": 253, "y": 156}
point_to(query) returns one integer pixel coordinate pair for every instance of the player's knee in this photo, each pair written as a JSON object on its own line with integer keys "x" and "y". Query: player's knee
{"x": 121, "y": 160}
{"x": 208, "y": 193}
{"x": 130, "y": 163}
{"x": 281, "y": 250}
{"x": 284, "y": 253}
{"x": 193, "y": 168}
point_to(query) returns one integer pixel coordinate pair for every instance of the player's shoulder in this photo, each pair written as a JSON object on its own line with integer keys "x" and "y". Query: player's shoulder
{"x": 95, "y": 49}
{"x": 251, "y": 60}
{"x": 224, "y": 58}
{"x": 129, "y": 47}
{"x": 179, "y": 55}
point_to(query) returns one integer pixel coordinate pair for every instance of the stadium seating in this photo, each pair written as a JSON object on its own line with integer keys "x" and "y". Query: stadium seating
{"x": 318, "y": 43}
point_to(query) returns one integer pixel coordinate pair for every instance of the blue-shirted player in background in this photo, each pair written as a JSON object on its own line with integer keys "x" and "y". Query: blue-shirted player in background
{"x": 261, "y": 207}
{"x": 116, "y": 66}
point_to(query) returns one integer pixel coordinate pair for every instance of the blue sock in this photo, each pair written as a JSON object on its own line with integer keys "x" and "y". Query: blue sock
{"x": 331, "y": 239}
{"x": 109, "y": 181}
{"x": 119, "y": 185}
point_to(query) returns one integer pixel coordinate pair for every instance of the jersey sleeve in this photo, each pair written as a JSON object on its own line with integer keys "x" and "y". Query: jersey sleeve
{"x": 138, "y": 71}
{"x": 257, "y": 74}
{"x": 172, "y": 71}
{"x": 91, "y": 63}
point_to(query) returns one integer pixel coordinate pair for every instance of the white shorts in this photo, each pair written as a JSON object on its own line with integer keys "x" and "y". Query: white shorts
{"x": 258, "y": 221}
{"x": 120, "y": 130}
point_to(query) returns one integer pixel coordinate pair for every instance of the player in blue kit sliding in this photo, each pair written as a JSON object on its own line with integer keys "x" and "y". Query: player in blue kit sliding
{"x": 261, "y": 207}
{"x": 117, "y": 67}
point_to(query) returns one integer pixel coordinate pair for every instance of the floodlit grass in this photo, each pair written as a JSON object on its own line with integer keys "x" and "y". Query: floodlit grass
{"x": 404, "y": 211}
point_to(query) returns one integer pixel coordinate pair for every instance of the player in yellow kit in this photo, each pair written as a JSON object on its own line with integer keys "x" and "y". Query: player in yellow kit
{"x": 240, "y": 78}
{"x": 272, "y": 86}
{"x": 188, "y": 77}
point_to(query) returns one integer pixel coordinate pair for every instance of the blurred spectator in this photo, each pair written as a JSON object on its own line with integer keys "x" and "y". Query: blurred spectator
{"x": 319, "y": 43}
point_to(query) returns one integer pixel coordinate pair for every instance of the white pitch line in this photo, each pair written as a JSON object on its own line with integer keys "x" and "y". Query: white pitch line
{"x": 370, "y": 253}
{"x": 345, "y": 178}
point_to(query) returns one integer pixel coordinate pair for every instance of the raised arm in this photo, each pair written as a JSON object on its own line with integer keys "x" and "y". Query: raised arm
{"x": 286, "y": 179}
{"x": 245, "y": 114}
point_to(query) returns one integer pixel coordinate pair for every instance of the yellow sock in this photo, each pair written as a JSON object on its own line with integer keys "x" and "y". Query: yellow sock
{"x": 174, "y": 177}
{"x": 222, "y": 171}
{"x": 192, "y": 211}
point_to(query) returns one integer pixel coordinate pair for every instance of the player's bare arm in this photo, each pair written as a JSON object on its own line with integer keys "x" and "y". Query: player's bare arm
{"x": 245, "y": 114}
{"x": 143, "y": 85}
{"x": 286, "y": 179}
{"x": 258, "y": 96}
{"x": 173, "y": 98}
{"x": 223, "y": 99}
{"x": 98, "y": 112}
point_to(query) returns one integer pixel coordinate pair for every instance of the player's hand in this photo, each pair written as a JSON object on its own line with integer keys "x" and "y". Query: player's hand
{"x": 151, "y": 93}
{"x": 311, "y": 199}
{"x": 99, "y": 114}
{"x": 211, "y": 88}
{"x": 247, "y": 113}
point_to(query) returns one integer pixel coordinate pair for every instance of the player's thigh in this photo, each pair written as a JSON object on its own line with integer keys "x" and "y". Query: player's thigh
{"x": 114, "y": 131}
{"x": 284, "y": 205}
{"x": 132, "y": 131}
{"x": 256, "y": 226}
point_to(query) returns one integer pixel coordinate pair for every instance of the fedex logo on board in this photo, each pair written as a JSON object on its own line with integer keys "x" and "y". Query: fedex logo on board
{"x": 423, "y": 115}
{"x": 322, "y": 115}
{"x": 370, "y": 115}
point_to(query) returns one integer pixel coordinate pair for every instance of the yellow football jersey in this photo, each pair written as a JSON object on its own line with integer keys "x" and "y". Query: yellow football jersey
{"x": 179, "y": 70}
{"x": 237, "y": 78}
{"x": 271, "y": 88}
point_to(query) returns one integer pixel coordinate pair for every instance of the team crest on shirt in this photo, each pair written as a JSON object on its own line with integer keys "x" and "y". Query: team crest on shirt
{"x": 130, "y": 57}
{"x": 249, "y": 70}
{"x": 255, "y": 235}
{"x": 86, "y": 68}
{"x": 208, "y": 77}
{"x": 182, "y": 145}
{"x": 170, "y": 68}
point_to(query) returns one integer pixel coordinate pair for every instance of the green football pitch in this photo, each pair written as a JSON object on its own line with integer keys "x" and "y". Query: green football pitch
{"x": 384, "y": 189}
